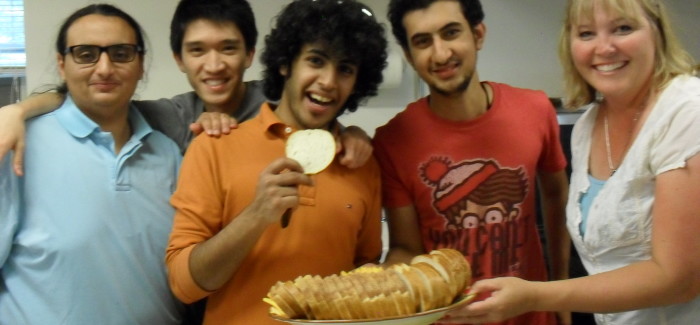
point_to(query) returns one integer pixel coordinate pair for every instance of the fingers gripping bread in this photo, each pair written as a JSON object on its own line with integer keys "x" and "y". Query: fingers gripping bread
{"x": 431, "y": 281}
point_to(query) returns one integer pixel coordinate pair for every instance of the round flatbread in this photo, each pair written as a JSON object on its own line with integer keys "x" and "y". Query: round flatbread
{"x": 314, "y": 149}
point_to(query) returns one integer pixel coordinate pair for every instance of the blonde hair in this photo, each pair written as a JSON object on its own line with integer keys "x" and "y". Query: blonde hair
{"x": 670, "y": 56}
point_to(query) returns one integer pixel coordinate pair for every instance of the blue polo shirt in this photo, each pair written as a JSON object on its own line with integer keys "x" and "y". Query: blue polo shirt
{"x": 83, "y": 234}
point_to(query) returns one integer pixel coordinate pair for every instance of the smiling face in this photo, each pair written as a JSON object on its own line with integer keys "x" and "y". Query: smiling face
{"x": 316, "y": 87}
{"x": 614, "y": 53}
{"x": 104, "y": 87}
{"x": 214, "y": 57}
{"x": 442, "y": 47}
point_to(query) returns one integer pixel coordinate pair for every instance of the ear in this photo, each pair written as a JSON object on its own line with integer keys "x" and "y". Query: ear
{"x": 178, "y": 60}
{"x": 143, "y": 69}
{"x": 409, "y": 58}
{"x": 249, "y": 59}
{"x": 479, "y": 32}
{"x": 284, "y": 70}
{"x": 60, "y": 61}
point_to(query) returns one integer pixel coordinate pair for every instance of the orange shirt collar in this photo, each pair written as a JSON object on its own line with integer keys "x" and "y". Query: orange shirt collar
{"x": 272, "y": 123}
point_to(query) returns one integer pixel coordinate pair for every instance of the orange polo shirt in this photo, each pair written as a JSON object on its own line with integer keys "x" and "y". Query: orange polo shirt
{"x": 336, "y": 226}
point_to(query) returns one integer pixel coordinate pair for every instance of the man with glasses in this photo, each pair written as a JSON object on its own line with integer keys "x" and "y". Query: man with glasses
{"x": 83, "y": 234}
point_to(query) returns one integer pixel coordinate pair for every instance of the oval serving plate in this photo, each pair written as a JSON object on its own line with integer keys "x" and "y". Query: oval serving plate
{"x": 422, "y": 318}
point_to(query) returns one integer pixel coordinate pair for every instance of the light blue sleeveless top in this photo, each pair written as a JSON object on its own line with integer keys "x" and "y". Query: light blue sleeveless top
{"x": 587, "y": 200}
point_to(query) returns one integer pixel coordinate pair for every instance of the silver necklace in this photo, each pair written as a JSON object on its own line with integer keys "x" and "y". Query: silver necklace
{"x": 607, "y": 140}
{"x": 607, "y": 146}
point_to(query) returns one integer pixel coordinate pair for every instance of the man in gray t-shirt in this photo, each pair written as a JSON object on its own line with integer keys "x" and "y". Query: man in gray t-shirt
{"x": 213, "y": 43}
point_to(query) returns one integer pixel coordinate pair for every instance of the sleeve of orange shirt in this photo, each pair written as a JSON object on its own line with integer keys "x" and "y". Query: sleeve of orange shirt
{"x": 198, "y": 210}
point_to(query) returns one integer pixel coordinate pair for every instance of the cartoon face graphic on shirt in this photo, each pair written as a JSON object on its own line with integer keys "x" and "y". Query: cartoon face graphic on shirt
{"x": 474, "y": 215}
{"x": 472, "y": 194}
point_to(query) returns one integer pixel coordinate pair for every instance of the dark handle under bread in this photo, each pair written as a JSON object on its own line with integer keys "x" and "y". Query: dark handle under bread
{"x": 285, "y": 218}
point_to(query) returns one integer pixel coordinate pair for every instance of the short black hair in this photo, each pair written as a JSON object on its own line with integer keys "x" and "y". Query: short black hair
{"x": 237, "y": 12}
{"x": 347, "y": 26}
{"x": 471, "y": 10}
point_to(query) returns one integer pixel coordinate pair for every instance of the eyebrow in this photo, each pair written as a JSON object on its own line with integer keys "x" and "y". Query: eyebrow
{"x": 319, "y": 51}
{"x": 326, "y": 55}
{"x": 232, "y": 41}
{"x": 442, "y": 29}
{"x": 615, "y": 21}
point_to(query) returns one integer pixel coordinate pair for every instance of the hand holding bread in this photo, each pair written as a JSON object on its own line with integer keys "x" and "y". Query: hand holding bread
{"x": 314, "y": 149}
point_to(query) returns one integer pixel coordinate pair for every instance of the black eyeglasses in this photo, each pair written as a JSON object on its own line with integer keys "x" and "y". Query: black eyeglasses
{"x": 86, "y": 54}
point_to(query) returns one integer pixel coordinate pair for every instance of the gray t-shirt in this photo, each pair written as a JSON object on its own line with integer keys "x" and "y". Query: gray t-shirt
{"x": 173, "y": 116}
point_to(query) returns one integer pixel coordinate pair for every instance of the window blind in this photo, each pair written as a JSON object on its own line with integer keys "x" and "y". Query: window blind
{"x": 12, "y": 53}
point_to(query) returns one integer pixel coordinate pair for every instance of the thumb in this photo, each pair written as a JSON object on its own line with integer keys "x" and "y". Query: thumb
{"x": 338, "y": 145}
{"x": 18, "y": 160}
{"x": 196, "y": 128}
{"x": 346, "y": 158}
{"x": 484, "y": 286}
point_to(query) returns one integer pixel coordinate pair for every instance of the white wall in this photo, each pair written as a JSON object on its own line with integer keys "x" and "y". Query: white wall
{"x": 520, "y": 47}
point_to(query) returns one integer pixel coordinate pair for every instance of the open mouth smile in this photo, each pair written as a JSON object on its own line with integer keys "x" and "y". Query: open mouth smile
{"x": 609, "y": 67}
{"x": 320, "y": 100}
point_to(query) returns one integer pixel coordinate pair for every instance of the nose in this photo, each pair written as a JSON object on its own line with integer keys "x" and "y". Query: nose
{"x": 213, "y": 62}
{"x": 605, "y": 45}
{"x": 104, "y": 65}
{"x": 441, "y": 51}
{"x": 328, "y": 78}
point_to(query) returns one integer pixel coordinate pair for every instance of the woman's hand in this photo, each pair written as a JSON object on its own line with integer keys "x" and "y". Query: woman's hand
{"x": 509, "y": 297}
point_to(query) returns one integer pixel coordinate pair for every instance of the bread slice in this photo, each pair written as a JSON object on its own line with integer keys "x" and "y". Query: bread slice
{"x": 314, "y": 149}
{"x": 458, "y": 268}
{"x": 275, "y": 308}
{"x": 441, "y": 295}
{"x": 439, "y": 264}
{"x": 285, "y": 301}
{"x": 293, "y": 289}
{"x": 348, "y": 298}
{"x": 421, "y": 293}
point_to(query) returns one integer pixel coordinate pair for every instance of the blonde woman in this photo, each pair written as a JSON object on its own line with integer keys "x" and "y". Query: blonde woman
{"x": 634, "y": 202}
